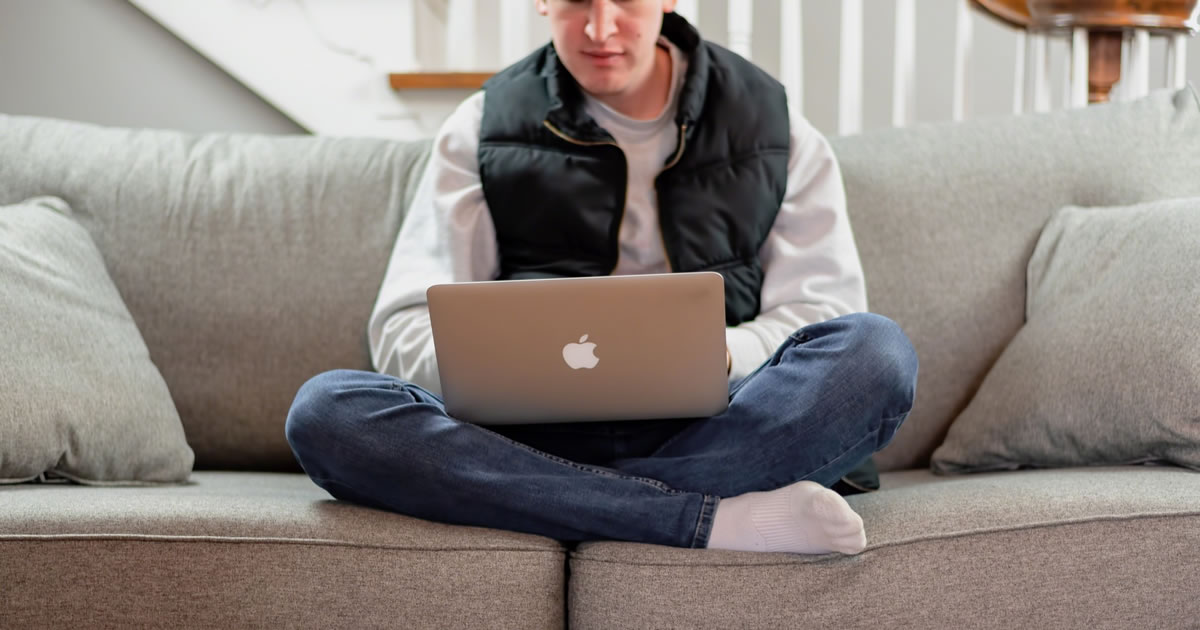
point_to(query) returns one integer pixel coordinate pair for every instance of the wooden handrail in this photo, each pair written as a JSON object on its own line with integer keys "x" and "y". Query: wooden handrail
{"x": 1015, "y": 13}
{"x": 438, "y": 80}
{"x": 1172, "y": 15}
{"x": 1177, "y": 15}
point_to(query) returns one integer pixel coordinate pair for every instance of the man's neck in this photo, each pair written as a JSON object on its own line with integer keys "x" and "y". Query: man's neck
{"x": 647, "y": 101}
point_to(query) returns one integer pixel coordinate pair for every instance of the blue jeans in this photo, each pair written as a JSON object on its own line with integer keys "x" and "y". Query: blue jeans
{"x": 831, "y": 395}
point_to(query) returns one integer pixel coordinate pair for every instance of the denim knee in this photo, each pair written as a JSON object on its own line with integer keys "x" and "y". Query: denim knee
{"x": 314, "y": 411}
{"x": 882, "y": 344}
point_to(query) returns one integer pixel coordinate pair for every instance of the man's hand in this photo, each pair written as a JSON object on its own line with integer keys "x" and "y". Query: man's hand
{"x": 728, "y": 361}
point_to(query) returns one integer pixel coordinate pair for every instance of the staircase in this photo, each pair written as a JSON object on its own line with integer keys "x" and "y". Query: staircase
{"x": 396, "y": 68}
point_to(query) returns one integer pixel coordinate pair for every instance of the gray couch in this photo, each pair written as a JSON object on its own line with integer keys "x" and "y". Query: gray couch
{"x": 250, "y": 263}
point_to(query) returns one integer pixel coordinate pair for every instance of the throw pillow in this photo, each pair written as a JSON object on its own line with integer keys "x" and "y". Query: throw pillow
{"x": 80, "y": 398}
{"x": 1106, "y": 369}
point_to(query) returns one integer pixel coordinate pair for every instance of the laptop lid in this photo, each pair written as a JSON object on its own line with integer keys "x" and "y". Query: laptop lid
{"x": 581, "y": 349}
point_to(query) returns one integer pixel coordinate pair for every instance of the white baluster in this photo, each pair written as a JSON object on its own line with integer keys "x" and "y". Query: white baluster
{"x": 1139, "y": 65}
{"x": 1077, "y": 92}
{"x": 1176, "y": 61}
{"x": 850, "y": 107}
{"x": 515, "y": 16}
{"x": 904, "y": 64}
{"x": 460, "y": 35}
{"x": 791, "y": 52}
{"x": 741, "y": 26}
{"x": 1041, "y": 72}
{"x": 1018, "y": 105}
{"x": 689, "y": 10}
{"x": 1066, "y": 75}
{"x": 962, "y": 57}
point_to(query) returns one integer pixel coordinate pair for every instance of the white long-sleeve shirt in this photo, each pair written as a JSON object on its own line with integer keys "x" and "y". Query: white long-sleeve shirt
{"x": 811, "y": 267}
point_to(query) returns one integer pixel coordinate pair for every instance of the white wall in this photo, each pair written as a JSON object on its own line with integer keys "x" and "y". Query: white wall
{"x": 104, "y": 61}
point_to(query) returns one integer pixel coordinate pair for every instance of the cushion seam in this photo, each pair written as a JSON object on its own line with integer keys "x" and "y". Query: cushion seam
{"x": 166, "y": 538}
{"x": 899, "y": 543}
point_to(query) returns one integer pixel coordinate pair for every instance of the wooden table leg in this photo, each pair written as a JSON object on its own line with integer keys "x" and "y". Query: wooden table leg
{"x": 1104, "y": 64}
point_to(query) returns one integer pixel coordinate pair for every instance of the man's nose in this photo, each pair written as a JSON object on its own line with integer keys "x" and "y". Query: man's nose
{"x": 602, "y": 22}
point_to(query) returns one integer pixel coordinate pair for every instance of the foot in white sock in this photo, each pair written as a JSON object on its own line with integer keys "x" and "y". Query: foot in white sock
{"x": 804, "y": 517}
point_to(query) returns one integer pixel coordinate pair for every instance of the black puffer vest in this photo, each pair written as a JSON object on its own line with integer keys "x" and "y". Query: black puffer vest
{"x": 555, "y": 181}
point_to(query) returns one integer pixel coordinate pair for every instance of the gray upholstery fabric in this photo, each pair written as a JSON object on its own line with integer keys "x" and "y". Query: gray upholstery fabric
{"x": 1106, "y": 369}
{"x": 223, "y": 247}
{"x": 946, "y": 217}
{"x": 79, "y": 396}
{"x": 1070, "y": 548}
{"x": 249, "y": 262}
{"x": 259, "y": 550}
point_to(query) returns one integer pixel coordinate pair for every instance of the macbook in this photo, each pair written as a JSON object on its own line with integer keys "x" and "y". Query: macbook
{"x": 581, "y": 349}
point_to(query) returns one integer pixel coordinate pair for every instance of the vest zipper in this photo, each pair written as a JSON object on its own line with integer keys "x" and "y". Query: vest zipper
{"x": 679, "y": 152}
{"x": 556, "y": 131}
{"x": 675, "y": 160}
{"x": 564, "y": 136}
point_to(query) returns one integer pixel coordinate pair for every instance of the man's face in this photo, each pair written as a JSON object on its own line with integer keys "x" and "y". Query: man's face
{"x": 607, "y": 45}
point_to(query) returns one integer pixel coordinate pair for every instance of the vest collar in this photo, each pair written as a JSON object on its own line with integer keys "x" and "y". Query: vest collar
{"x": 566, "y": 112}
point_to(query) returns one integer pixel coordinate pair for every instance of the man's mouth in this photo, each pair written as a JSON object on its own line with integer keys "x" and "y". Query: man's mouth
{"x": 602, "y": 57}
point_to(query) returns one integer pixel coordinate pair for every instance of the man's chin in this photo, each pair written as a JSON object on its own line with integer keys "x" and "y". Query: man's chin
{"x": 602, "y": 86}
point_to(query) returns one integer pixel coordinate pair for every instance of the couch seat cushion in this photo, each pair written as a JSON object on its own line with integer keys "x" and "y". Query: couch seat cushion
{"x": 1113, "y": 547}
{"x": 262, "y": 550}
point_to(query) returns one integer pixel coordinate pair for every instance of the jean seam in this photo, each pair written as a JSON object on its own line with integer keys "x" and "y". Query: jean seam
{"x": 400, "y": 385}
{"x": 708, "y": 508}
{"x": 872, "y": 433}
{"x": 770, "y": 362}
{"x": 796, "y": 339}
{"x": 658, "y": 485}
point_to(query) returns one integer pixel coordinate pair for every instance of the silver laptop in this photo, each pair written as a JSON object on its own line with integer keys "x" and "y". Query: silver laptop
{"x": 581, "y": 349}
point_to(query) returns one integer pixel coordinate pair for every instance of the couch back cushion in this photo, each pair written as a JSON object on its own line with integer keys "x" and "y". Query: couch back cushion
{"x": 249, "y": 262}
{"x": 946, "y": 217}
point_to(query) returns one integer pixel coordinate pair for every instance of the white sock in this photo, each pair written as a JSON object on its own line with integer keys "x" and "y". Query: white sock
{"x": 804, "y": 517}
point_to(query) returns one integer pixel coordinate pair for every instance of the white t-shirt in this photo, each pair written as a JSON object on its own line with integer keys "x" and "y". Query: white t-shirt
{"x": 647, "y": 145}
{"x": 811, "y": 267}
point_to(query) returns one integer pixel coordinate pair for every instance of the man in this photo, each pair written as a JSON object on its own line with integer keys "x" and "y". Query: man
{"x": 629, "y": 145}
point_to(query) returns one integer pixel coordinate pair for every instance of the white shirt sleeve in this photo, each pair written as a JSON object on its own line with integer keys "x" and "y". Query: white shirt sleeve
{"x": 811, "y": 267}
{"x": 447, "y": 236}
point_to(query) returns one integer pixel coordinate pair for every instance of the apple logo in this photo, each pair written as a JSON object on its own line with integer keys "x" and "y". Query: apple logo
{"x": 580, "y": 355}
